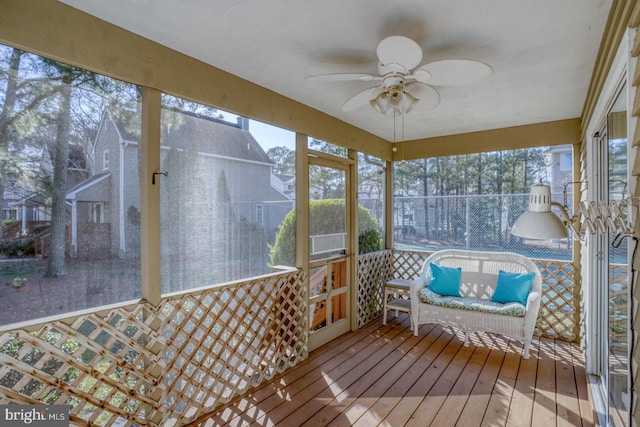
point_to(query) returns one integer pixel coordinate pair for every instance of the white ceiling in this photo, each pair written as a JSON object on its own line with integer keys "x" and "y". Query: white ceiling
{"x": 542, "y": 52}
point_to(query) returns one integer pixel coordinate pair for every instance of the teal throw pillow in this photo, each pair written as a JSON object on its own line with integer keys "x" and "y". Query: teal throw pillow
{"x": 445, "y": 280}
{"x": 513, "y": 287}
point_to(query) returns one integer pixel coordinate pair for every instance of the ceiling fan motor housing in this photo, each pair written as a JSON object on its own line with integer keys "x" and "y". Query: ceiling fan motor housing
{"x": 392, "y": 68}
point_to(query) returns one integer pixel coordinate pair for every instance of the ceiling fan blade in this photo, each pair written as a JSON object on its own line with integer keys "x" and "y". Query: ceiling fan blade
{"x": 345, "y": 76}
{"x": 428, "y": 97}
{"x": 361, "y": 98}
{"x": 399, "y": 50}
{"x": 452, "y": 72}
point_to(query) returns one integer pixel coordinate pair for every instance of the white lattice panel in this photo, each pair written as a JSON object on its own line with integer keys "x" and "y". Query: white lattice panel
{"x": 559, "y": 315}
{"x": 164, "y": 365}
{"x": 373, "y": 272}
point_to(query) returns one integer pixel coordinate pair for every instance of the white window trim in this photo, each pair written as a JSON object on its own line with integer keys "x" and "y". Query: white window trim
{"x": 621, "y": 70}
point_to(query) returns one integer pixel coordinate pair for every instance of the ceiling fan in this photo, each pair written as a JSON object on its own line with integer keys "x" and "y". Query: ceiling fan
{"x": 401, "y": 86}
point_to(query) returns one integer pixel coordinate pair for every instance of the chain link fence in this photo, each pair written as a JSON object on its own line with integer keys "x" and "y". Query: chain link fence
{"x": 478, "y": 222}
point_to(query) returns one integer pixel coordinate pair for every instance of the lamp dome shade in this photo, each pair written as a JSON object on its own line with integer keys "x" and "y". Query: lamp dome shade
{"x": 539, "y": 222}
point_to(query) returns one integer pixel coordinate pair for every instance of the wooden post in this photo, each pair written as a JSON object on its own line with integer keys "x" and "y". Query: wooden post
{"x": 150, "y": 196}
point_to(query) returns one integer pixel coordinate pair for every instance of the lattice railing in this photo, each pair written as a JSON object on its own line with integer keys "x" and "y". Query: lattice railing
{"x": 164, "y": 365}
{"x": 559, "y": 315}
{"x": 560, "y": 305}
{"x": 408, "y": 264}
{"x": 373, "y": 272}
{"x": 100, "y": 365}
{"x": 559, "y": 311}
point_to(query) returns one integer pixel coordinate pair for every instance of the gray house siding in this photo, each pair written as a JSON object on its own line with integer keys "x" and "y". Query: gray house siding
{"x": 122, "y": 204}
{"x": 131, "y": 199}
{"x": 246, "y": 183}
{"x": 109, "y": 139}
{"x": 198, "y": 153}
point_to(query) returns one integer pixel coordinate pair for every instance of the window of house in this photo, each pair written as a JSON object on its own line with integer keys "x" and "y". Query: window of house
{"x": 105, "y": 159}
{"x": 471, "y": 201}
{"x": 97, "y": 213}
{"x": 92, "y": 256}
{"x": 222, "y": 168}
{"x": 259, "y": 214}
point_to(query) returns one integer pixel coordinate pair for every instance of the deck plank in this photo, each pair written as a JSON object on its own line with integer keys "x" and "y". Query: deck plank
{"x": 316, "y": 395}
{"x": 455, "y": 401}
{"x": 403, "y": 411}
{"x": 366, "y": 407}
{"x": 497, "y": 411}
{"x": 325, "y": 358}
{"x": 544, "y": 405}
{"x": 587, "y": 412}
{"x": 434, "y": 399}
{"x": 369, "y": 374}
{"x": 478, "y": 401}
{"x": 386, "y": 376}
{"x": 522, "y": 402}
{"x": 396, "y": 393}
{"x": 567, "y": 405}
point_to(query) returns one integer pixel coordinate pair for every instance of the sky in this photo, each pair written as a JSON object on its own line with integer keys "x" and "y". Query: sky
{"x": 270, "y": 136}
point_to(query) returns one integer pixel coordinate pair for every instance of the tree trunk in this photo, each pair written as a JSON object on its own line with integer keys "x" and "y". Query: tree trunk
{"x": 425, "y": 200}
{"x": 5, "y": 119}
{"x": 56, "y": 264}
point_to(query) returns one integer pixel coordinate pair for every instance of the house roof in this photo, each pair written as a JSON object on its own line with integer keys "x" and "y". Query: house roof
{"x": 31, "y": 199}
{"x": 205, "y": 134}
{"x": 211, "y": 136}
{"x": 283, "y": 177}
{"x": 73, "y": 193}
{"x": 126, "y": 125}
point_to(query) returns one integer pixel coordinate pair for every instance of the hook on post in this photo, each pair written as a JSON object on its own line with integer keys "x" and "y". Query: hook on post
{"x": 153, "y": 176}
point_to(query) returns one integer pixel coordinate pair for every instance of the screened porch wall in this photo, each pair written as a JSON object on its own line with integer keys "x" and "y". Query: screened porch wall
{"x": 169, "y": 365}
{"x": 39, "y": 363}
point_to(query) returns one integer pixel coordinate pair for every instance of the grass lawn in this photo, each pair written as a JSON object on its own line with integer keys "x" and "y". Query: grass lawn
{"x": 86, "y": 284}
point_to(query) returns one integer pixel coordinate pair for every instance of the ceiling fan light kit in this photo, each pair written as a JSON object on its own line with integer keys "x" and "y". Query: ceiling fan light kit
{"x": 380, "y": 103}
{"x": 403, "y": 87}
{"x": 396, "y": 98}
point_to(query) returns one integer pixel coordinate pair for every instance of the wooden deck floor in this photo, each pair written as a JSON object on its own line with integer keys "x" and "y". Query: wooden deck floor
{"x": 385, "y": 376}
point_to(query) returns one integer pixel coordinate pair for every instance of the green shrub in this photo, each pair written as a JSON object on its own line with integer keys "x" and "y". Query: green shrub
{"x": 18, "y": 248}
{"x": 327, "y": 218}
{"x": 7, "y": 222}
{"x": 369, "y": 241}
{"x": 133, "y": 215}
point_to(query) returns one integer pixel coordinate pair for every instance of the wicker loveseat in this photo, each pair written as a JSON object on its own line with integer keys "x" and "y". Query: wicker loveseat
{"x": 473, "y": 310}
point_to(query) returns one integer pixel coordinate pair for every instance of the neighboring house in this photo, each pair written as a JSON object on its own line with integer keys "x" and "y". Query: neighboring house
{"x": 213, "y": 149}
{"x": 31, "y": 211}
{"x": 10, "y": 202}
{"x": 98, "y": 215}
{"x": 560, "y": 161}
{"x": 286, "y": 184}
